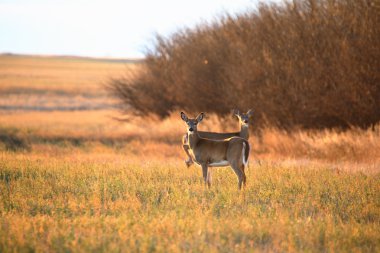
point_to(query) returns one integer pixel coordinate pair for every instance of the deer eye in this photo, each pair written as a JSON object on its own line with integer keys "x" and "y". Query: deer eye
{"x": 195, "y": 123}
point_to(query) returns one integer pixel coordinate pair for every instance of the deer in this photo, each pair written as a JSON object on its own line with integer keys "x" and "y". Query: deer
{"x": 244, "y": 119}
{"x": 233, "y": 151}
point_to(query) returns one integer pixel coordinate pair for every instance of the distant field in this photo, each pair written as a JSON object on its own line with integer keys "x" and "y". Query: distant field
{"x": 74, "y": 179}
{"x": 56, "y": 83}
{"x": 63, "y": 74}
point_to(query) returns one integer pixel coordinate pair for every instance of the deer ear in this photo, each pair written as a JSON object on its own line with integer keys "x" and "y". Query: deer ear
{"x": 200, "y": 117}
{"x": 184, "y": 117}
{"x": 250, "y": 112}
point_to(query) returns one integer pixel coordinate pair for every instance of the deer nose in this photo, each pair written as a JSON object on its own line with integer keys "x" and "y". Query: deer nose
{"x": 191, "y": 129}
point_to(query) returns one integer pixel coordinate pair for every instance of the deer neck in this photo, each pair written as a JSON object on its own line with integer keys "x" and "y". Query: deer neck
{"x": 244, "y": 131}
{"x": 193, "y": 138}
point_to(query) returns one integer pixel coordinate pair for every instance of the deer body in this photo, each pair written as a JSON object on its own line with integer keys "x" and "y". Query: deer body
{"x": 244, "y": 133}
{"x": 207, "y": 153}
{"x": 216, "y": 153}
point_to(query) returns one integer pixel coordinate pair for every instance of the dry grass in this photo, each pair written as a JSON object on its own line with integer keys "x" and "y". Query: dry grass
{"x": 37, "y": 83}
{"x": 79, "y": 181}
{"x": 354, "y": 148}
{"x": 34, "y": 73}
{"x": 110, "y": 203}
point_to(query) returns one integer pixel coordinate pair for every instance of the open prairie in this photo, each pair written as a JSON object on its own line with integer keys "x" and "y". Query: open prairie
{"x": 75, "y": 179}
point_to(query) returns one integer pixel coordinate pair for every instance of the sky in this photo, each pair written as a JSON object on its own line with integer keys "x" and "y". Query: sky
{"x": 101, "y": 28}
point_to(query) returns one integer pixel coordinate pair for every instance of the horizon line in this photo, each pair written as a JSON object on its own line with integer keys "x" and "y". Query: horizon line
{"x": 74, "y": 56}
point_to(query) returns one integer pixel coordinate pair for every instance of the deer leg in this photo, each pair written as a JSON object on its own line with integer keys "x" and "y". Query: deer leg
{"x": 239, "y": 173}
{"x": 205, "y": 174}
{"x": 209, "y": 177}
{"x": 185, "y": 146}
{"x": 189, "y": 160}
{"x": 244, "y": 176}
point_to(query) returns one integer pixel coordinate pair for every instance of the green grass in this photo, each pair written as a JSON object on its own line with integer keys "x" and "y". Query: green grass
{"x": 82, "y": 205}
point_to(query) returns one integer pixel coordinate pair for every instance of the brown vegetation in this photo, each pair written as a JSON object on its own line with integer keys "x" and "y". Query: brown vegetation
{"x": 310, "y": 64}
{"x": 78, "y": 181}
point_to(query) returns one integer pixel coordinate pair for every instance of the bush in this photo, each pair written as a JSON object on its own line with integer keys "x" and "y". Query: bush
{"x": 309, "y": 64}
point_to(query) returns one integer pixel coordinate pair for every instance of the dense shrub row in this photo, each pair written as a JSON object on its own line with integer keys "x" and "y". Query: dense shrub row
{"x": 310, "y": 64}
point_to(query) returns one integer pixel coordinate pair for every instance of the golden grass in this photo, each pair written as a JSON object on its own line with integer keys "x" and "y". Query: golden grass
{"x": 70, "y": 75}
{"x": 355, "y": 150}
{"x": 80, "y": 181}
{"x": 114, "y": 204}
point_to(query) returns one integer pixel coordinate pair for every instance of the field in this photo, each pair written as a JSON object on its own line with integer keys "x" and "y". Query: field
{"x": 75, "y": 179}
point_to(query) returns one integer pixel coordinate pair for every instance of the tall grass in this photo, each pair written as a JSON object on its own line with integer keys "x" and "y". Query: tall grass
{"x": 65, "y": 204}
{"x": 310, "y": 64}
{"x": 79, "y": 181}
{"x": 88, "y": 131}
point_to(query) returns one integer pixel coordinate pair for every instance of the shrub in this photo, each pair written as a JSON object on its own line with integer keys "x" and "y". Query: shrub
{"x": 309, "y": 64}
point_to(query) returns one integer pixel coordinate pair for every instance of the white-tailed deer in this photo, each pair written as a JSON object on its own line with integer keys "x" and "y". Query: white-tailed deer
{"x": 243, "y": 133}
{"x": 233, "y": 151}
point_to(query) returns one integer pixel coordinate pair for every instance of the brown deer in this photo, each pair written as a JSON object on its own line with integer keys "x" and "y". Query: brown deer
{"x": 233, "y": 151}
{"x": 244, "y": 119}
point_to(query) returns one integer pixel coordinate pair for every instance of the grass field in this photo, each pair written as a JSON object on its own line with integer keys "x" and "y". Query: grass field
{"x": 73, "y": 179}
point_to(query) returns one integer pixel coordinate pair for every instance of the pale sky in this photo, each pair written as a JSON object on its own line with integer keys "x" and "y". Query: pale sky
{"x": 101, "y": 28}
